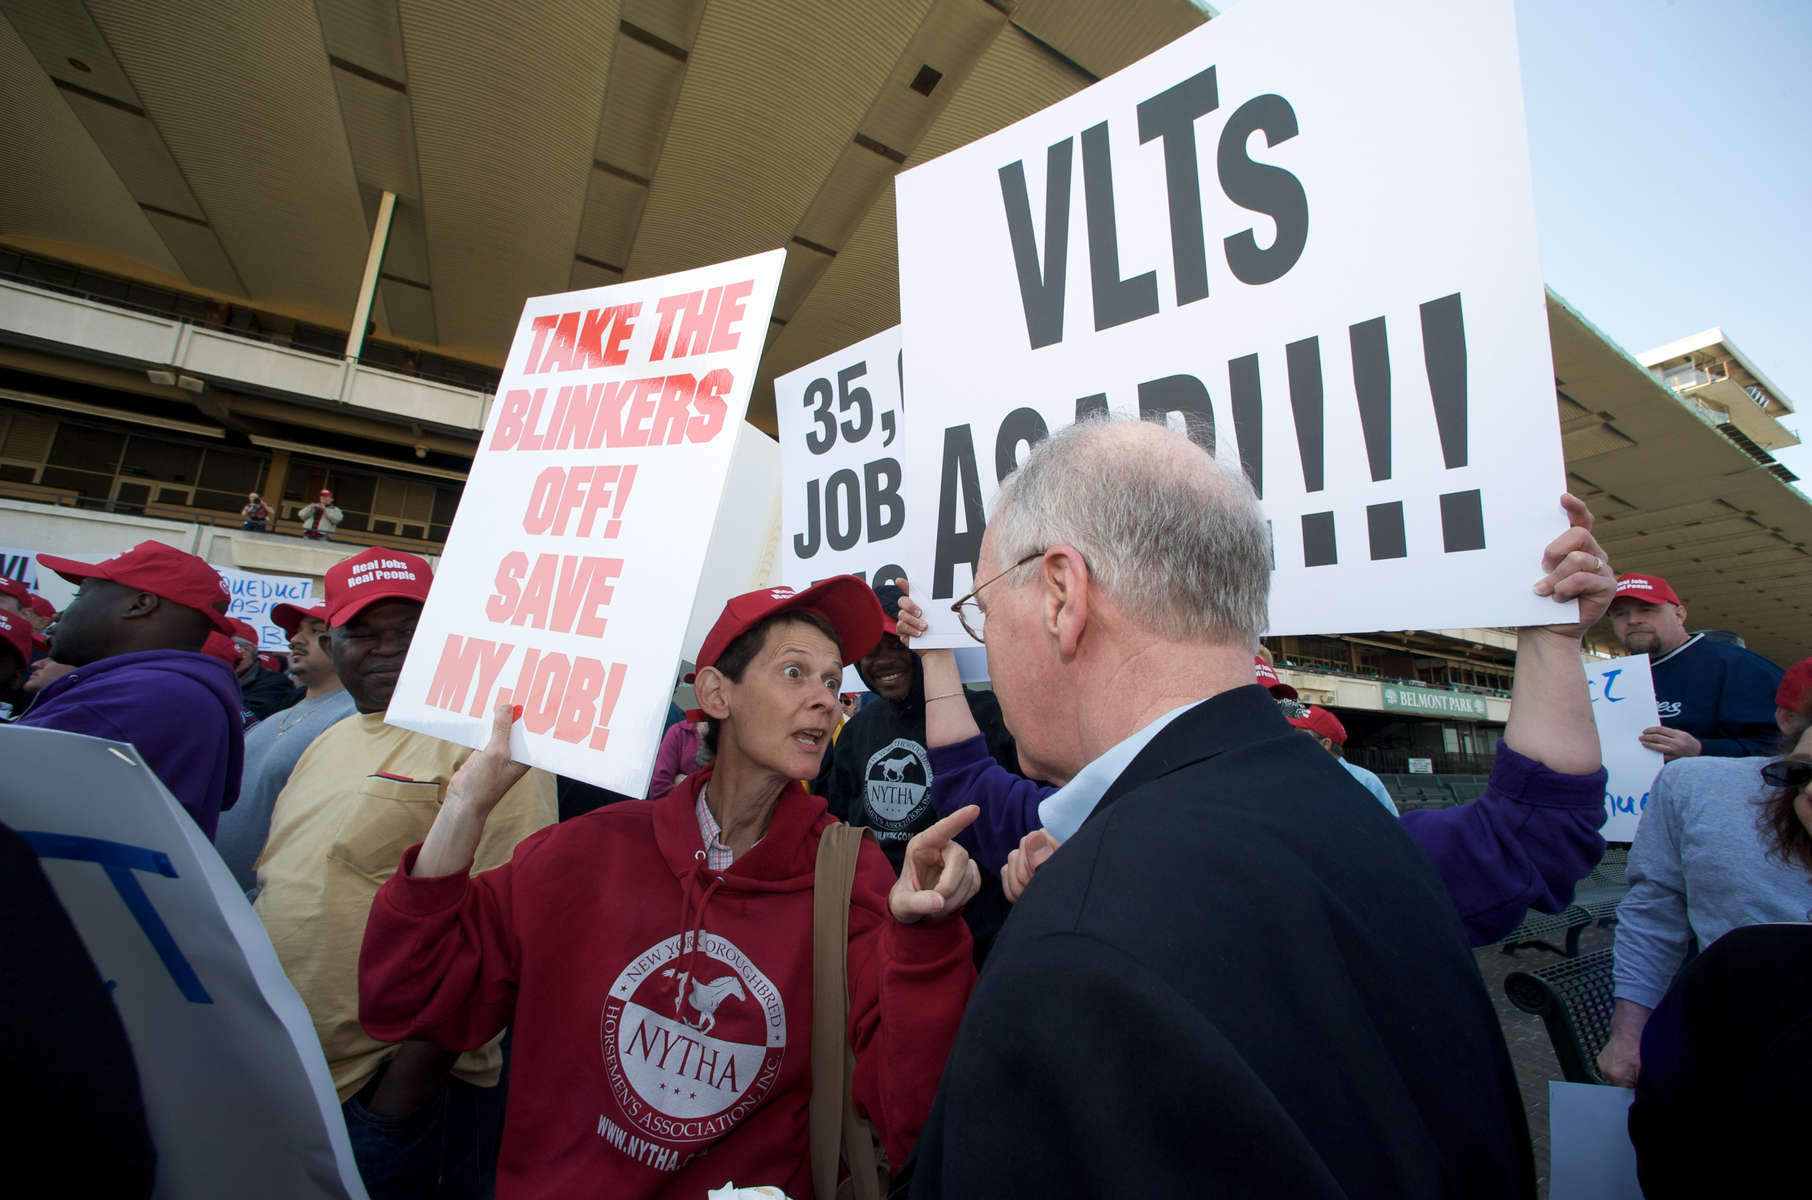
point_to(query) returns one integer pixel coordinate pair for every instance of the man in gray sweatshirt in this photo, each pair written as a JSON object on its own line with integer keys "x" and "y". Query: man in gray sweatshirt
{"x": 1698, "y": 869}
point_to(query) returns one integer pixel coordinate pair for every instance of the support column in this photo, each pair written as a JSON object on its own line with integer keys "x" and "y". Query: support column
{"x": 374, "y": 264}
{"x": 274, "y": 481}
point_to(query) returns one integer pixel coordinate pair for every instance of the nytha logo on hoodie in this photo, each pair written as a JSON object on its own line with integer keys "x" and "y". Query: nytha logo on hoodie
{"x": 693, "y": 1038}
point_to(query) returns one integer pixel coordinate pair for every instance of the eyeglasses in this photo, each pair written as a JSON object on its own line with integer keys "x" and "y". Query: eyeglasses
{"x": 1787, "y": 773}
{"x": 962, "y": 607}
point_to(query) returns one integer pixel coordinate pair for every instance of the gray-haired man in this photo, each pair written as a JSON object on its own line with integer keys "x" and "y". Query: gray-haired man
{"x": 1208, "y": 992}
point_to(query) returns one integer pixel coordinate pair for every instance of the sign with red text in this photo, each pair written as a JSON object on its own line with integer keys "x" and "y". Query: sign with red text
{"x": 571, "y": 566}
{"x": 1306, "y": 233}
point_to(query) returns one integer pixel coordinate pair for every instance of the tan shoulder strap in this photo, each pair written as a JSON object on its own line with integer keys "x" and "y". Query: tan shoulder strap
{"x": 836, "y": 1131}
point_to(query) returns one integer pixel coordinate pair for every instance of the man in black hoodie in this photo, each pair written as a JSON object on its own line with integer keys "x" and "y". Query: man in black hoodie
{"x": 879, "y": 772}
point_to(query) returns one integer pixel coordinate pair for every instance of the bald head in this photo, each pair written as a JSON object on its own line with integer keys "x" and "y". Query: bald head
{"x": 1173, "y": 536}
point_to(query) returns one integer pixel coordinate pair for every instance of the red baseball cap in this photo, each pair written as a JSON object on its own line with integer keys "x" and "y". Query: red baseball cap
{"x": 289, "y": 618}
{"x": 15, "y": 589}
{"x": 243, "y": 630}
{"x": 43, "y": 607}
{"x": 1322, "y": 723}
{"x": 1650, "y": 589}
{"x": 17, "y": 632}
{"x": 220, "y": 646}
{"x": 1796, "y": 687}
{"x": 845, "y": 601}
{"x": 372, "y": 575}
{"x": 165, "y": 571}
{"x": 1267, "y": 677}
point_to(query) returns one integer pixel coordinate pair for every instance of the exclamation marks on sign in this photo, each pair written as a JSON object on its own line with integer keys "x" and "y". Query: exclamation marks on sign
{"x": 607, "y": 705}
{"x": 1248, "y": 419}
{"x": 1444, "y": 353}
{"x": 1303, "y": 360}
{"x": 1371, "y": 383}
{"x": 619, "y": 497}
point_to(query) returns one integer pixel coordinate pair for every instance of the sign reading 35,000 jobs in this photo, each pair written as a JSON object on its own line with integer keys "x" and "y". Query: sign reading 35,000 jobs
{"x": 1305, "y": 231}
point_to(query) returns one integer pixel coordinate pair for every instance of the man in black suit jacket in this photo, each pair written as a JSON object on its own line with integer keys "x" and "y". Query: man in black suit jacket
{"x": 1237, "y": 976}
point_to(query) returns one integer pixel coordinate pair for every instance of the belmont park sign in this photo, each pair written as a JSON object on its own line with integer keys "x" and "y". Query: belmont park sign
{"x": 1429, "y": 702}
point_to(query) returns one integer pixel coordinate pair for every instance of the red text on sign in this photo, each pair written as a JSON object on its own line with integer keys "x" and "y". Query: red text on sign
{"x": 562, "y": 492}
{"x": 700, "y": 322}
{"x": 561, "y": 592}
{"x": 581, "y": 341}
{"x": 660, "y": 411}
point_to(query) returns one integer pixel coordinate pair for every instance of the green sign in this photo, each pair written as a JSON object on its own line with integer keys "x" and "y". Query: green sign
{"x": 1430, "y": 702}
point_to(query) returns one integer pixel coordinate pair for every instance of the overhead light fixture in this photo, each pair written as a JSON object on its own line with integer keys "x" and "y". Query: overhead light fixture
{"x": 189, "y": 383}
{"x": 161, "y": 378}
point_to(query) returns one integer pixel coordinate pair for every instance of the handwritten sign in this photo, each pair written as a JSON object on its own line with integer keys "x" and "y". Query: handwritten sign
{"x": 579, "y": 542}
{"x": 1623, "y": 705}
{"x": 255, "y": 595}
{"x": 1269, "y": 230}
{"x": 236, "y": 1089}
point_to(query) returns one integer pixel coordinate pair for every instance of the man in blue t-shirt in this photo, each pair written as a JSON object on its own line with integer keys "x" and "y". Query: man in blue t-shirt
{"x": 1715, "y": 698}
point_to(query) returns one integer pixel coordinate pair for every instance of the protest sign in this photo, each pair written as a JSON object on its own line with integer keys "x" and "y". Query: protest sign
{"x": 255, "y": 595}
{"x": 570, "y": 570}
{"x": 1589, "y": 1138}
{"x": 1307, "y": 228}
{"x": 1623, "y": 705}
{"x": 20, "y": 566}
{"x": 236, "y": 1090}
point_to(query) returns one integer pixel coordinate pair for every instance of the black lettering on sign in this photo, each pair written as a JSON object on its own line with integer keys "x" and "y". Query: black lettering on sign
{"x": 805, "y": 545}
{"x": 1444, "y": 354}
{"x": 1371, "y": 381}
{"x": 818, "y": 399}
{"x": 1318, "y": 548}
{"x": 1040, "y": 290}
{"x": 1303, "y": 359}
{"x": 1171, "y": 115}
{"x": 847, "y": 395}
{"x": 842, "y": 509}
{"x": 1091, "y": 406}
{"x": 1117, "y": 301}
{"x": 1022, "y": 427}
{"x": 1262, "y": 188}
{"x": 1384, "y": 528}
{"x": 1184, "y": 394}
{"x": 1248, "y": 419}
{"x": 959, "y": 502}
{"x": 886, "y": 511}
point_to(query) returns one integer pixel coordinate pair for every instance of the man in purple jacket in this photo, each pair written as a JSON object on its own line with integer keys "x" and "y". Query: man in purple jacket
{"x": 1522, "y": 845}
{"x": 133, "y": 634}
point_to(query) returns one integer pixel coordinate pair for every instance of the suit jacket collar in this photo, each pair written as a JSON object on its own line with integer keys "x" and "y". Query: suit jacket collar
{"x": 1227, "y": 721}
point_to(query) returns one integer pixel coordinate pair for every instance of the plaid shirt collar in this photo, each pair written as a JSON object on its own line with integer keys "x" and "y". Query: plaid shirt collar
{"x": 718, "y": 856}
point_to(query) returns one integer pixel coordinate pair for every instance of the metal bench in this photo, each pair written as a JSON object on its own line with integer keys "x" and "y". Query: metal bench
{"x": 1573, "y": 999}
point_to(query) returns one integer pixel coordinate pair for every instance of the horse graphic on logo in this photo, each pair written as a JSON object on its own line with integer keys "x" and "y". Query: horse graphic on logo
{"x": 704, "y": 997}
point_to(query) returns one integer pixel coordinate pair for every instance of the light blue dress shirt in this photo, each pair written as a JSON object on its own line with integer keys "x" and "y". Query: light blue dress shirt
{"x": 1064, "y": 810}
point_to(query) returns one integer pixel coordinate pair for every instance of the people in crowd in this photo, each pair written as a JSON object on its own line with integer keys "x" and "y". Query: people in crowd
{"x": 40, "y": 612}
{"x": 256, "y": 515}
{"x": 360, "y": 794}
{"x": 320, "y": 519}
{"x": 17, "y": 639}
{"x": 272, "y": 747}
{"x": 132, "y": 637}
{"x": 1726, "y": 1052}
{"x": 1206, "y": 990}
{"x": 879, "y": 773}
{"x": 1521, "y": 845}
{"x": 15, "y": 597}
{"x": 1715, "y": 697}
{"x": 1701, "y": 866}
{"x": 678, "y": 756}
{"x": 1330, "y": 735}
{"x": 263, "y": 690}
{"x": 675, "y": 937}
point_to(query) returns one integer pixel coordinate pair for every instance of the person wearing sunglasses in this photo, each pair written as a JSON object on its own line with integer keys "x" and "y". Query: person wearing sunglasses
{"x": 1701, "y": 866}
{"x": 1726, "y": 1053}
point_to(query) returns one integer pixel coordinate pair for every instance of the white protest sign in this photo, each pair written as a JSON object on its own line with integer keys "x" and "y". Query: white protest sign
{"x": 842, "y": 509}
{"x": 1308, "y": 228}
{"x": 570, "y": 569}
{"x": 21, "y": 566}
{"x": 1623, "y": 705}
{"x": 841, "y": 512}
{"x": 255, "y": 595}
{"x": 236, "y": 1089}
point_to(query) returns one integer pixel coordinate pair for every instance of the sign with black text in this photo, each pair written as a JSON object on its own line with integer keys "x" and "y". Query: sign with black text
{"x": 1305, "y": 232}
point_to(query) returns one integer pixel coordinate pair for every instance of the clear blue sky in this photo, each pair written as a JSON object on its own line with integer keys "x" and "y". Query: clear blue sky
{"x": 1671, "y": 143}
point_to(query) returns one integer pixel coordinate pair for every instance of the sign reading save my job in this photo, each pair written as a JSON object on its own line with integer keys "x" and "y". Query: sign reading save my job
{"x": 569, "y": 574}
{"x": 1307, "y": 230}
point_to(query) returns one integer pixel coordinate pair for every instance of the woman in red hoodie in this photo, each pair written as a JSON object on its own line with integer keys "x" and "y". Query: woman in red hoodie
{"x": 655, "y": 958}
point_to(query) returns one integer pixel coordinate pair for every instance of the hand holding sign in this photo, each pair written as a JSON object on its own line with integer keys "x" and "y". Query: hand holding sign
{"x": 1577, "y": 570}
{"x": 938, "y": 877}
{"x": 475, "y": 789}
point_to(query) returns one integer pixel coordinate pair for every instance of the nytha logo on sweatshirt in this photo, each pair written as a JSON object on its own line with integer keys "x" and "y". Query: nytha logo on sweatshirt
{"x": 896, "y": 783}
{"x": 692, "y": 1044}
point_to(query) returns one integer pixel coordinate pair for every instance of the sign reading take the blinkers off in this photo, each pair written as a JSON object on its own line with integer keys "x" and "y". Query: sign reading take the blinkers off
{"x": 1305, "y": 230}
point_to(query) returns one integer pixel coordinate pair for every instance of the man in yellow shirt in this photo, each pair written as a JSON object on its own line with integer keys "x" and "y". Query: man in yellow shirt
{"x": 358, "y": 797}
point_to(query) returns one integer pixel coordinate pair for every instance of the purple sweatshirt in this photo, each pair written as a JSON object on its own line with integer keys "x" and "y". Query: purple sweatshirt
{"x": 180, "y": 710}
{"x": 1522, "y": 845}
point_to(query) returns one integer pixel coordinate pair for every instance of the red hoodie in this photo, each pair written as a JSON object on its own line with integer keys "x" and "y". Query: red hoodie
{"x": 648, "y": 1061}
